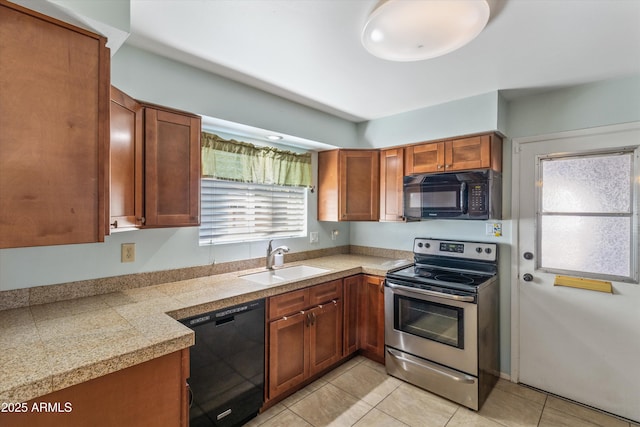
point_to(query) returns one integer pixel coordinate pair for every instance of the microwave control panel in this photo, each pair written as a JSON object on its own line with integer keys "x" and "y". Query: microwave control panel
{"x": 477, "y": 198}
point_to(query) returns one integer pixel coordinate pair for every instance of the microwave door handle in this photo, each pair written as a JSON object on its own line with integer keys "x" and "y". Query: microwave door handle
{"x": 463, "y": 197}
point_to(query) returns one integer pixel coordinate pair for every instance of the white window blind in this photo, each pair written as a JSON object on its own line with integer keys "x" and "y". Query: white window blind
{"x": 239, "y": 211}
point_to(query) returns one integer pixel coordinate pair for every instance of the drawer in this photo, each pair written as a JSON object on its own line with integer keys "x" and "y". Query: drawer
{"x": 325, "y": 292}
{"x": 289, "y": 303}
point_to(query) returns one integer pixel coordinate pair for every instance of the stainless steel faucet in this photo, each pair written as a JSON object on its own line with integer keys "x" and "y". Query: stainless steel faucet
{"x": 272, "y": 252}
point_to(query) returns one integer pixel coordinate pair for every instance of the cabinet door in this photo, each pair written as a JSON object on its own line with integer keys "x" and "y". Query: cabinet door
{"x": 372, "y": 318}
{"x": 468, "y": 153}
{"x": 359, "y": 185}
{"x": 172, "y": 168}
{"x": 325, "y": 336}
{"x": 325, "y": 292}
{"x": 425, "y": 158}
{"x": 153, "y": 393}
{"x": 288, "y": 363}
{"x": 391, "y": 174}
{"x": 127, "y": 165}
{"x": 54, "y": 131}
{"x": 350, "y": 316}
{"x": 289, "y": 303}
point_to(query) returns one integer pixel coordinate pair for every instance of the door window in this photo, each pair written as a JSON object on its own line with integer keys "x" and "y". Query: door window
{"x": 592, "y": 196}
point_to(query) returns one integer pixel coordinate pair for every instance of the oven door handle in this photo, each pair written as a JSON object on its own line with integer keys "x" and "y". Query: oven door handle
{"x": 431, "y": 293}
{"x": 464, "y": 379}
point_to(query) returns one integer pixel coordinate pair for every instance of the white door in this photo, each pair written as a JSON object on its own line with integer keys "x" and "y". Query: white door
{"x": 580, "y": 344}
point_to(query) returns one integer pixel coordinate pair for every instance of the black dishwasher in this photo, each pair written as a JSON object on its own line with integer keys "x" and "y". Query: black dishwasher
{"x": 227, "y": 365}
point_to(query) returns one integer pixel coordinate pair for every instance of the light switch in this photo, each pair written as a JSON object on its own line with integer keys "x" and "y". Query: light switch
{"x": 313, "y": 237}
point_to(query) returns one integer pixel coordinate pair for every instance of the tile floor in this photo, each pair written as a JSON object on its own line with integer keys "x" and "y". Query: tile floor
{"x": 359, "y": 393}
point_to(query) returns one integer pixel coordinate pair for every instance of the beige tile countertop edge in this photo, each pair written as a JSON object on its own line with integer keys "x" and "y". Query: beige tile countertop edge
{"x": 49, "y": 347}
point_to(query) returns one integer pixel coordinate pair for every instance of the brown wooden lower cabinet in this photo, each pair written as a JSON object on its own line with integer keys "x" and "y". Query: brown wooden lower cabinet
{"x": 371, "y": 325}
{"x": 153, "y": 393}
{"x": 351, "y": 288}
{"x": 305, "y": 340}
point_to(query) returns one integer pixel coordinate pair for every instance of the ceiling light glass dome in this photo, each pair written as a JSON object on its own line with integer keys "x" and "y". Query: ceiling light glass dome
{"x": 414, "y": 30}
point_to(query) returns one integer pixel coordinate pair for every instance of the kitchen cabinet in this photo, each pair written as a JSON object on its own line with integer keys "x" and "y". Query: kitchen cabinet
{"x": 305, "y": 335}
{"x": 172, "y": 167}
{"x": 54, "y": 131}
{"x": 348, "y": 185}
{"x": 155, "y": 165}
{"x": 351, "y": 297}
{"x": 127, "y": 162}
{"x": 391, "y": 180}
{"x": 153, "y": 393}
{"x": 476, "y": 152}
{"x": 371, "y": 324}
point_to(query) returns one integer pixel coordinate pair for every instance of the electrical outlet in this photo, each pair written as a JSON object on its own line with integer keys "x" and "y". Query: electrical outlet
{"x": 494, "y": 229}
{"x": 128, "y": 252}
{"x": 313, "y": 237}
{"x": 334, "y": 234}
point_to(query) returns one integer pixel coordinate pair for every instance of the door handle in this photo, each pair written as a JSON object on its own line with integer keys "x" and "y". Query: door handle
{"x": 527, "y": 277}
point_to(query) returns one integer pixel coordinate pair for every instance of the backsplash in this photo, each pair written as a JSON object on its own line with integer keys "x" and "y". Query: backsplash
{"x": 17, "y": 298}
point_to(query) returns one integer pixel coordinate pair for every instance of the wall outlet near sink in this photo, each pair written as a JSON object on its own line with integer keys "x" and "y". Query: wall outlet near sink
{"x": 128, "y": 252}
{"x": 313, "y": 237}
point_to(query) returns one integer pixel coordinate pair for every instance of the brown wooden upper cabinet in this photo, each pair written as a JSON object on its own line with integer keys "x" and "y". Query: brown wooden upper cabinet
{"x": 476, "y": 152}
{"x": 54, "y": 131}
{"x": 155, "y": 170}
{"x": 391, "y": 180}
{"x": 348, "y": 185}
{"x": 127, "y": 162}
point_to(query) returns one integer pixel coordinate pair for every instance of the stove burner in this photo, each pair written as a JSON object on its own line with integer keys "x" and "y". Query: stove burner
{"x": 455, "y": 278}
{"x": 423, "y": 272}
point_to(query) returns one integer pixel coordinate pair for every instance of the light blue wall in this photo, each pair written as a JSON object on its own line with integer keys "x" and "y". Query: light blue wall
{"x": 461, "y": 117}
{"x": 162, "y": 81}
{"x": 579, "y": 107}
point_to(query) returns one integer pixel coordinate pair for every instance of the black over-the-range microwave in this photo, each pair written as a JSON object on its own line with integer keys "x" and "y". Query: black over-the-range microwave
{"x": 474, "y": 194}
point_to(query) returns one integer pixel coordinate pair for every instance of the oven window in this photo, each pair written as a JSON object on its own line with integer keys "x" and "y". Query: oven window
{"x": 430, "y": 320}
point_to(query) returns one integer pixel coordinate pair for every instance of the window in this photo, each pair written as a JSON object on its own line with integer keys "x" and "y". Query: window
{"x": 588, "y": 195}
{"x": 240, "y": 211}
{"x": 251, "y": 193}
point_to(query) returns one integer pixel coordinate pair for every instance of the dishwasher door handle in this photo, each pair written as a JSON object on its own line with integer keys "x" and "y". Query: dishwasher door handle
{"x": 225, "y": 321}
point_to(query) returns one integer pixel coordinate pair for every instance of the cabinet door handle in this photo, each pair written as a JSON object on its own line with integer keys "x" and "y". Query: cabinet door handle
{"x": 114, "y": 224}
{"x": 381, "y": 286}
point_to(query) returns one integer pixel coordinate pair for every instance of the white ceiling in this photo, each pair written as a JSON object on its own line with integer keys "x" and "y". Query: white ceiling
{"x": 309, "y": 51}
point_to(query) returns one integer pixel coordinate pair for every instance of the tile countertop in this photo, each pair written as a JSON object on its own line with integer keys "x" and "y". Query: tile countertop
{"x": 48, "y": 347}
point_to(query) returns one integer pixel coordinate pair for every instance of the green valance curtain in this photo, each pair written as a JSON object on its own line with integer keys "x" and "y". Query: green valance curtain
{"x": 244, "y": 162}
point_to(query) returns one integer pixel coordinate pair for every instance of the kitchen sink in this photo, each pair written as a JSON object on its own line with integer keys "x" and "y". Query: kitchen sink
{"x": 297, "y": 272}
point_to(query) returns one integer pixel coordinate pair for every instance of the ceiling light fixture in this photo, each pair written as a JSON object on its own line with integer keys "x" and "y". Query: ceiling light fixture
{"x": 413, "y": 30}
{"x": 274, "y": 137}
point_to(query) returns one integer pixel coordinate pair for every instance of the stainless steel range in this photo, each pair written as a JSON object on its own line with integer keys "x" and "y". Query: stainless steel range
{"x": 441, "y": 320}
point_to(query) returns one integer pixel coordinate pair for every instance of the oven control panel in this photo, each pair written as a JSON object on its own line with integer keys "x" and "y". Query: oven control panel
{"x": 456, "y": 249}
